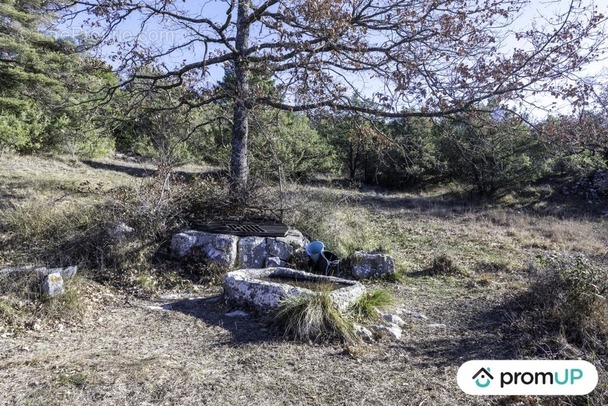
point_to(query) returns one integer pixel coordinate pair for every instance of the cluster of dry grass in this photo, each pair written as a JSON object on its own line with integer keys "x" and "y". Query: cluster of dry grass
{"x": 475, "y": 281}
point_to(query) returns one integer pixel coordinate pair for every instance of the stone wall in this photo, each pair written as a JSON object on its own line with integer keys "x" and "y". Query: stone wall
{"x": 238, "y": 252}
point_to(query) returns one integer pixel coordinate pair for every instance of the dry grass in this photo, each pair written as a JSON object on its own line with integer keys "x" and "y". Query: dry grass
{"x": 564, "y": 315}
{"x": 415, "y": 228}
{"x": 113, "y": 349}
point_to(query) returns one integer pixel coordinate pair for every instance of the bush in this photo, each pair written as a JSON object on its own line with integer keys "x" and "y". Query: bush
{"x": 153, "y": 208}
{"x": 495, "y": 157}
{"x": 411, "y": 159}
{"x": 289, "y": 147}
{"x": 23, "y": 131}
{"x": 564, "y": 315}
{"x": 567, "y": 301}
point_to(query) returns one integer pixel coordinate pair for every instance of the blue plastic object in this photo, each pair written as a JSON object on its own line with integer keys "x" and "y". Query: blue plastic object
{"x": 314, "y": 250}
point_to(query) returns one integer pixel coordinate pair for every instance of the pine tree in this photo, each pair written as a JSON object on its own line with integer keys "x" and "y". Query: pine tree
{"x": 42, "y": 79}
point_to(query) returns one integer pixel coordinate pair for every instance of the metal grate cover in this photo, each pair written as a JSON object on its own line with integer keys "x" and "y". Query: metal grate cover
{"x": 245, "y": 228}
{"x": 242, "y": 228}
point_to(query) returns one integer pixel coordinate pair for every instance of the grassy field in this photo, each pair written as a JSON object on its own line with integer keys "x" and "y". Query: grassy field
{"x": 476, "y": 281}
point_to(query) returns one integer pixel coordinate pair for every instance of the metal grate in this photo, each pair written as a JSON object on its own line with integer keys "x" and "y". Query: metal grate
{"x": 242, "y": 228}
{"x": 246, "y": 228}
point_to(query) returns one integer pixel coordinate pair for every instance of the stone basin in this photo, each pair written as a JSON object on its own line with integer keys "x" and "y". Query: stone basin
{"x": 263, "y": 289}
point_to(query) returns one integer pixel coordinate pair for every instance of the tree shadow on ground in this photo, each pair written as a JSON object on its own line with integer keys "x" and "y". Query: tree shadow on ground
{"x": 478, "y": 338}
{"x": 212, "y": 311}
{"x": 137, "y": 172}
{"x": 449, "y": 205}
{"x": 9, "y": 197}
{"x": 141, "y": 172}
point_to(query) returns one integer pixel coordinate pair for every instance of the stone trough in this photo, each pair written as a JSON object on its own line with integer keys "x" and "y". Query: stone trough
{"x": 263, "y": 289}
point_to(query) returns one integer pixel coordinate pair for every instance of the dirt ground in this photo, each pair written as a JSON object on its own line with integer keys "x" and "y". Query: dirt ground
{"x": 188, "y": 352}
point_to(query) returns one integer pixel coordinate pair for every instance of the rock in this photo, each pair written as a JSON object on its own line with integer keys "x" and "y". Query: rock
{"x": 415, "y": 314}
{"x": 363, "y": 333}
{"x": 120, "y": 231}
{"x": 230, "y": 250}
{"x": 250, "y": 288}
{"x": 294, "y": 238}
{"x": 273, "y": 262}
{"x": 237, "y": 313}
{"x": 241, "y": 288}
{"x": 52, "y": 285}
{"x": 393, "y": 319}
{"x": 252, "y": 252}
{"x": 437, "y": 325}
{"x": 40, "y": 271}
{"x": 222, "y": 249}
{"x": 392, "y": 331}
{"x": 366, "y": 265}
{"x": 279, "y": 248}
{"x": 154, "y": 307}
{"x": 183, "y": 243}
{"x": 49, "y": 280}
{"x": 218, "y": 248}
{"x": 66, "y": 273}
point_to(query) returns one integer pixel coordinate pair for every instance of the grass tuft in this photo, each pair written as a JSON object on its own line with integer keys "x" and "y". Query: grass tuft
{"x": 366, "y": 308}
{"x": 444, "y": 265}
{"x": 77, "y": 379}
{"x": 313, "y": 317}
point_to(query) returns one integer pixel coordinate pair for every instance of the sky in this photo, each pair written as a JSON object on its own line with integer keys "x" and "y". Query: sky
{"x": 160, "y": 35}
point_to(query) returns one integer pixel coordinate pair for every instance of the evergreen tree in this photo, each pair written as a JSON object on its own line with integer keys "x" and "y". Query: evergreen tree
{"x": 42, "y": 81}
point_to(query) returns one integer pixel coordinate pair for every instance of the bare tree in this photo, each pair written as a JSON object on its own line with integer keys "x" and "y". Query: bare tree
{"x": 422, "y": 57}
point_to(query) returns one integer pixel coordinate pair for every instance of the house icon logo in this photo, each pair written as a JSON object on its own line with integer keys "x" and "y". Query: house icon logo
{"x": 483, "y": 378}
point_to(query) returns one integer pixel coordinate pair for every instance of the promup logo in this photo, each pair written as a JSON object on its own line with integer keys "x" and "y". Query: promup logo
{"x": 483, "y": 375}
{"x": 527, "y": 377}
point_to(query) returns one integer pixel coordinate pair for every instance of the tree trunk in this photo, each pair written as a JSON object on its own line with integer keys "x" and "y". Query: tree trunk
{"x": 239, "y": 166}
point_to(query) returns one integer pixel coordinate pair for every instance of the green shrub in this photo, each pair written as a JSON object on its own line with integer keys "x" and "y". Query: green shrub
{"x": 285, "y": 145}
{"x": 494, "y": 157}
{"x": 23, "y": 131}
